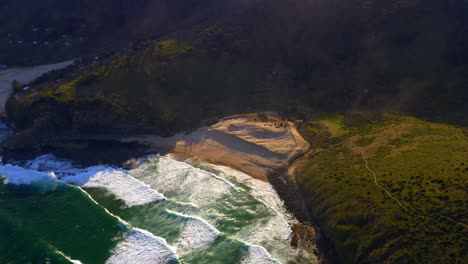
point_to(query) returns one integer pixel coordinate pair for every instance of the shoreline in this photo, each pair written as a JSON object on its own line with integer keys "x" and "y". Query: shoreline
{"x": 325, "y": 249}
{"x": 256, "y": 144}
{"x": 282, "y": 179}
{"x": 262, "y": 148}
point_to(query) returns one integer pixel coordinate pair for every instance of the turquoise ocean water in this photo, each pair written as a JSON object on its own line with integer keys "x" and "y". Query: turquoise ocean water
{"x": 163, "y": 211}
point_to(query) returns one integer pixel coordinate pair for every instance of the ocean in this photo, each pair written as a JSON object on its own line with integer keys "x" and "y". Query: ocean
{"x": 161, "y": 211}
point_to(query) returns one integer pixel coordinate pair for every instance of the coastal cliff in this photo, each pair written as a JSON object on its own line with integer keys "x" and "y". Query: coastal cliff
{"x": 386, "y": 188}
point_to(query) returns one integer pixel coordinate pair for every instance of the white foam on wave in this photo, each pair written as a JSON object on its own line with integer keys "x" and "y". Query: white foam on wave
{"x": 256, "y": 254}
{"x": 121, "y": 221}
{"x": 138, "y": 246}
{"x": 273, "y": 229}
{"x": 196, "y": 234}
{"x": 126, "y": 188}
{"x": 73, "y": 261}
{"x": 142, "y": 247}
{"x": 273, "y": 232}
{"x": 45, "y": 168}
{"x": 49, "y": 162}
{"x": 17, "y": 175}
{"x": 260, "y": 190}
{"x": 184, "y": 182}
{"x": 278, "y": 226}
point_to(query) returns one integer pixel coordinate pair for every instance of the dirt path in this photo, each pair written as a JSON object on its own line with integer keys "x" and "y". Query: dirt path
{"x": 366, "y": 163}
{"x": 23, "y": 75}
{"x": 376, "y": 182}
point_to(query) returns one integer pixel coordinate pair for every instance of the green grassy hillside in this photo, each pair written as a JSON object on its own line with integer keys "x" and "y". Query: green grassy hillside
{"x": 167, "y": 86}
{"x": 417, "y": 211}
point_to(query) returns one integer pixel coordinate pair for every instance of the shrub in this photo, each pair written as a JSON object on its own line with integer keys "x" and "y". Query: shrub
{"x": 16, "y": 86}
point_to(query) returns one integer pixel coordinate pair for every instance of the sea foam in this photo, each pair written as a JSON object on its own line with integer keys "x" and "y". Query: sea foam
{"x": 126, "y": 188}
{"x": 73, "y": 261}
{"x": 196, "y": 233}
{"x": 142, "y": 247}
{"x": 181, "y": 180}
{"x": 256, "y": 254}
{"x": 49, "y": 162}
{"x": 17, "y": 175}
{"x": 203, "y": 189}
{"x": 117, "y": 182}
{"x": 274, "y": 230}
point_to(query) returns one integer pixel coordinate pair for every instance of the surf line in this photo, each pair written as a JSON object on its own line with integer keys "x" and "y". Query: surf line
{"x": 74, "y": 261}
{"x": 123, "y": 222}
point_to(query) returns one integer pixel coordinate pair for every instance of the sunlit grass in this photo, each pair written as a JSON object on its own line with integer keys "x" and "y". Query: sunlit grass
{"x": 424, "y": 165}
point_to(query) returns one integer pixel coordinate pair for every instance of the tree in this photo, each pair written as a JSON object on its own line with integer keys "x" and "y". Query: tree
{"x": 16, "y": 85}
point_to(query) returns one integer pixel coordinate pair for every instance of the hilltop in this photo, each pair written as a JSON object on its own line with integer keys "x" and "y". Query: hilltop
{"x": 388, "y": 188}
{"x": 334, "y": 56}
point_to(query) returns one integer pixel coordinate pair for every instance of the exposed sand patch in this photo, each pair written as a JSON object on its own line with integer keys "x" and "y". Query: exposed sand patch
{"x": 380, "y": 139}
{"x": 253, "y": 143}
{"x": 23, "y": 75}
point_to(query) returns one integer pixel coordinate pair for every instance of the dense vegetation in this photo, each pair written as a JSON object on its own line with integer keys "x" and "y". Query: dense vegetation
{"x": 424, "y": 167}
{"x": 274, "y": 55}
{"x": 35, "y": 32}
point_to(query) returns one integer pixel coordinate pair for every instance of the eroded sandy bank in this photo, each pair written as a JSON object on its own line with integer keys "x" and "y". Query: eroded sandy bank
{"x": 255, "y": 144}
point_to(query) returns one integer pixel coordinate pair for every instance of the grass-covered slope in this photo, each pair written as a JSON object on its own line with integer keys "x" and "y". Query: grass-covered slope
{"x": 167, "y": 86}
{"x": 415, "y": 209}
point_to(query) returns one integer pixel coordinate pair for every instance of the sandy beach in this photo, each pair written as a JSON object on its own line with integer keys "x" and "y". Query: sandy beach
{"x": 23, "y": 76}
{"x": 255, "y": 144}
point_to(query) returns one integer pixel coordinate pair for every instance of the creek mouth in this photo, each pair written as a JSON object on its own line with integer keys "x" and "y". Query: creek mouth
{"x": 296, "y": 203}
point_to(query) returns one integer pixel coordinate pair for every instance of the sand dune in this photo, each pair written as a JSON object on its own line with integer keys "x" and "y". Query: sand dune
{"x": 254, "y": 143}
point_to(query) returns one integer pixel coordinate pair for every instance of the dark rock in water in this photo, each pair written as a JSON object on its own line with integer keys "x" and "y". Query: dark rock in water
{"x": 82, "y": 152}
{"x": 48, "y": 121}
{"x": 304, "y": 236}
{"x": 131, "y": 164}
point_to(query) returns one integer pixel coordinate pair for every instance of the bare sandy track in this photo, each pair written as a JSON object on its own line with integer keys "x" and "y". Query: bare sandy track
{"x": 366, "y": 163}
{"x": 23, "y": 75}
{"x": 252, "y": 143}
{"x": 374, "y": 175}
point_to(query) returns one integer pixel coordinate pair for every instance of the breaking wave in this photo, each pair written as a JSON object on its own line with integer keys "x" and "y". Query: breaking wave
{"x": 215, "y": 206}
